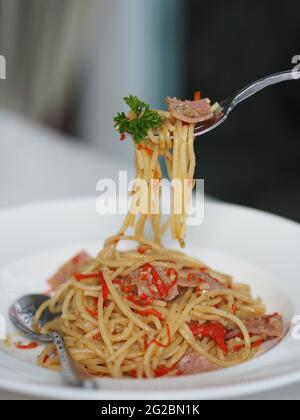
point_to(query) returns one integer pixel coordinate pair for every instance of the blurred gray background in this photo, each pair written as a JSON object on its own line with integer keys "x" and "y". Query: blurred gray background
{"x": 70, "y": 62}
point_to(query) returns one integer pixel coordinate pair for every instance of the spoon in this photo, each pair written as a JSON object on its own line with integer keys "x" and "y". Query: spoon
{"x": 21, "y": 314}
{"x": 230, "y": 103}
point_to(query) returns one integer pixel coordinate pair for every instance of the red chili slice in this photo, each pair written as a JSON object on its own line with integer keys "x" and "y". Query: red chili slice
{"x": 197, "y": 95}
{"x": 117, "y": 281}
{"x": 162, "y": 288}
{"x": 214, "y": 330}
{"x": 146, "y": 148}
{"x": 79, "y": 276}
{"x": 163, "y": 370}
{"x": 105, "y": 289}
{"x": 253, "y": 345}
{"x": 169, "y": 339}
{"x": 142, "y": 249}
{"x": 29, "y": 346}
{"x": 256, "y": 344}
{"x": 133, "y": 300}
{"x": 146, "y": 298}
{"x": 127, "y": 288}
{"x": 151, "y": 311}
{"x": 93, "y": 313}
{"x": 172, "y": 272}
{"x": 97, "y": 337}
{"x": 133, "y": 373}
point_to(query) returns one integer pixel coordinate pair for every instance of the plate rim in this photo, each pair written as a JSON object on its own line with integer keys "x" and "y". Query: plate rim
{"x": 61, "y": 392}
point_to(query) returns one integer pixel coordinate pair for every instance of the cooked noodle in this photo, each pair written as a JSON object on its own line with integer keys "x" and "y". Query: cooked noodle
{"x": 113, "y": 334}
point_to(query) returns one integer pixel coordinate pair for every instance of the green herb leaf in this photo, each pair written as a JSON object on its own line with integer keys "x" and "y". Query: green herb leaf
{"x": 144, "y": 119}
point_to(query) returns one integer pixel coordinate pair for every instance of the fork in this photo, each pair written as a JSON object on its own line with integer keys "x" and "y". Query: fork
{"x": 230, "y": 103}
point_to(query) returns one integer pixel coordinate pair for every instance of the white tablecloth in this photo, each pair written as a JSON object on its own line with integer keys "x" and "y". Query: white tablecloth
{"x": 39, "y": 164}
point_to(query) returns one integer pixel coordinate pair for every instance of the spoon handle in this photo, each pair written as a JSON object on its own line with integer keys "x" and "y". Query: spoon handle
{"x": 74, "y": 374}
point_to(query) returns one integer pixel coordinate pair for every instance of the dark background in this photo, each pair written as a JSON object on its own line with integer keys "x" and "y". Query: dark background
{"x": 252, "y": 159}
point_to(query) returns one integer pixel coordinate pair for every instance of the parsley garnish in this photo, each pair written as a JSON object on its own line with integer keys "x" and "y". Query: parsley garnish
{"x": 139, "y": 126}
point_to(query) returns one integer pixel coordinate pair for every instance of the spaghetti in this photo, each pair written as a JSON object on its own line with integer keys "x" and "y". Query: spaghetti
{"x": 150, "y": 311}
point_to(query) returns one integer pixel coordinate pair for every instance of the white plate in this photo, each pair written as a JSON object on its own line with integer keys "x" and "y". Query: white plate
{"x": 257, "y": 248}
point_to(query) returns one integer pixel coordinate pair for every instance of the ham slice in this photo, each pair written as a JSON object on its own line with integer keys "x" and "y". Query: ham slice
{"x": 142, "y": 284}
{"x": 205, "y": 279}
{"x": 195, "y": 363}
{"x": 64, "y": 273}
{"x": 190, "y": 111}
{"x": 192, "y": 278}
{"x": 268, "y": 326}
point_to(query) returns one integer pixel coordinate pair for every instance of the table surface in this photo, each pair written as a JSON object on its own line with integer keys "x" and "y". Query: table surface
{"x": 37, "y": 164}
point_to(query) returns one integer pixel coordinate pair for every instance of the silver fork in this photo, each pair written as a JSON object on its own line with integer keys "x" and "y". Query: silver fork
{"x": 230, "y": 103}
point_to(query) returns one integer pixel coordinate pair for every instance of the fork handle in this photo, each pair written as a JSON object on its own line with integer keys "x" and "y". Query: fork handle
{"x": 73, "y": 373}
{"x": 263, "y": 83}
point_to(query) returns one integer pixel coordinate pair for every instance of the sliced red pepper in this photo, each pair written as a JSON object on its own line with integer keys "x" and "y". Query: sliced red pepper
{"x": 151, "y": 311}
{"x": 133, "y": 373}
{"x": 29, "y": 346}
{"x": 142, "y": 249}
{"x": 146, "y": 298}
{"x": 197, "y": 95}
{"x": 256, "y": 344}
{"x": 133, "y": 300}
{"x": 117, "y": 281}
{"x": 238, "y": 347}
{"x": 162, "y": 288}
{"x": 198, "y": 291}
{"x": 146, "y": 148}
{"x": 127, "y": 288}
{"x": 97, "y": 337}
{"x": 93, "y": 313}
{"x": 172, "y": 272}
{"x": 191, "y": 276}
{"x": 122, "y": 136}
{"x": 105, "y": 289}
{"x": 169, "y": 339}
{"x": 79, "y": 276}
{"x": 214, "y": 330}
{"x": 253, "y": 345}
{"x": 162, "y": 371}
